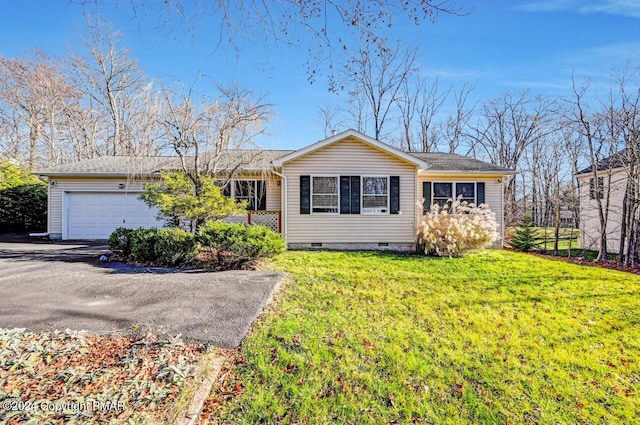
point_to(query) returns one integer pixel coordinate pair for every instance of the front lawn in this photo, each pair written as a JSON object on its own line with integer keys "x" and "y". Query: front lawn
{"x": 496, "y": 337}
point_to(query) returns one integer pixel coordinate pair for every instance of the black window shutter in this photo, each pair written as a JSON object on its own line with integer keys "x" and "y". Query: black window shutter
{"x": 262, "y": 195}
{"x": 426, "y": 194}
{"x": 355, "y": 194}
{"x": 305, "y": 194}
{"x": 345, "y": 195}
{"x": 394, "y": 191}
{"x": 479, "y": 193}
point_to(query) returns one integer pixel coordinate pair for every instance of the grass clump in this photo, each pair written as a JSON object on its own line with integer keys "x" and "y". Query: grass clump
{"x": 456, "y": 228}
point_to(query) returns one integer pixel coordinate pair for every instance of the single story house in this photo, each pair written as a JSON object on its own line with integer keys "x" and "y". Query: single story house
{"x": 348, "y": 191}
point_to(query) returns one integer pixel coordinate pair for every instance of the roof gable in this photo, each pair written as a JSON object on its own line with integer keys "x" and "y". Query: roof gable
{"x": 347, "y": 135}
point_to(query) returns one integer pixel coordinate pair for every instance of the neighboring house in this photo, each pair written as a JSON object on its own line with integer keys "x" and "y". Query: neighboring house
{"x": 348, "y": 191}
{"x": 612, "y": 180}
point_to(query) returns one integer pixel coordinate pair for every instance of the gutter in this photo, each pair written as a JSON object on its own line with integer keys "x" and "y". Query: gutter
{"x": 492, "y": 174}
{"x": 284, "y": 204}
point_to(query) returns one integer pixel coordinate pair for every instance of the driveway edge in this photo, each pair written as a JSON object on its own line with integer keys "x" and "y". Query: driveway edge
{"x": 209, "y": 369}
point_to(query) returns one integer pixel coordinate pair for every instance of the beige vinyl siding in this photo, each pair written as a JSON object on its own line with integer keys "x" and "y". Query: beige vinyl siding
{"x": 82, "y": 184}
{"x": 493, "y": 190}
{"x": 274, "y": 197}
{"x": 350, "y": 157}
{"x": 589, "y": 217}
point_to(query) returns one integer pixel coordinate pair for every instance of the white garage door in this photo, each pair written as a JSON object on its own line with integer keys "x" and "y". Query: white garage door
{"x": 95, "y": 215}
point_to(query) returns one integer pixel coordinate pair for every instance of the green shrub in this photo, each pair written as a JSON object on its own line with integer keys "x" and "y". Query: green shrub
{"x": 237, "y": 246}
{"x": 23, "y": 208}
{"x": 120, "y": 242}
{"x": 155, "y": 247}
{"x": 12, "y": 175}
{"x": 524, "y": 239}
{"x": 225, "y": 245}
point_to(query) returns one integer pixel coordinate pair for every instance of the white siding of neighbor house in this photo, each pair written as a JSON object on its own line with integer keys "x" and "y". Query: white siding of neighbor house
{"x": 351, "y": 157}
{"x": 589, "y": 217}
{"x": 83, "y": 184}
{"x": 493, "y": 192}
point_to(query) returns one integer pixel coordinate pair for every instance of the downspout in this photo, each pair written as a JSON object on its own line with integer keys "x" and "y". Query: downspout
{"x": 580, "y": 216}
{"x": 283, "y": 203}
{"x": 503, "y": 182}
{"x": 416, "y": 196}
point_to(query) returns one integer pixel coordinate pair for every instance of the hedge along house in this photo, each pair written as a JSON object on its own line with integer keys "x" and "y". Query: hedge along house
{"x": 348, "y": 191}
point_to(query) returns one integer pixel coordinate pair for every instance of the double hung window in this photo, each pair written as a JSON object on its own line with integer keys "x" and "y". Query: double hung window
{"x": 324, "y": 195}
{"x": 443, "y": 193}
{"x": 375, "y": 195}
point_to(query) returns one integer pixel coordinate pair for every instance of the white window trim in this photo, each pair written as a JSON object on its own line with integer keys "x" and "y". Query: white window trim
{"x": 453, "y": 190}
{"x": 368, "y": 211}
{"x": 311, "y": 193}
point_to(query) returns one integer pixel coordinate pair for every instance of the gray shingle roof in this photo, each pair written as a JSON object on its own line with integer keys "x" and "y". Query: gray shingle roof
{"x": 616, "y": 160}
{"x": 248, "y": 161}
{"x": 119, "y": 166}
{"x": 452, "y": 162}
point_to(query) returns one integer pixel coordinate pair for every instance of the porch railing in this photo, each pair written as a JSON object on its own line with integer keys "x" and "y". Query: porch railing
{"x": 271, "y": 219}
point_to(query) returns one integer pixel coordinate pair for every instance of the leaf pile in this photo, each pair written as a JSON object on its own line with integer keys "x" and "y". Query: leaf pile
{"x": 137, "y": 378}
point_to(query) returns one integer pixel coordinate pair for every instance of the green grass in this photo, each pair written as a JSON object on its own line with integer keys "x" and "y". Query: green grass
{"x": 495, "y": 337}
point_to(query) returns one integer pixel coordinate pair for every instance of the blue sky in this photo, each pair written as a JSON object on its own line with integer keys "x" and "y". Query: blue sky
{"x": 499, "y": 46}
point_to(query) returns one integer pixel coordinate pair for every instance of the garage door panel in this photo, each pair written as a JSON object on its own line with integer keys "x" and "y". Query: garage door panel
{"x": 95, "y": 215}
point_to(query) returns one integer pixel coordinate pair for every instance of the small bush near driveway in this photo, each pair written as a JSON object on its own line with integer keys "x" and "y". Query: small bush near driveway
{"x": 155, "y": 247}
{"x": 236, "y": 246}
{"x": 222, "y": 246}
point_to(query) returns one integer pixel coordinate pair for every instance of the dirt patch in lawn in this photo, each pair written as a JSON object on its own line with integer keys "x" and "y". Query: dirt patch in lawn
{"x": 62, "y": 377}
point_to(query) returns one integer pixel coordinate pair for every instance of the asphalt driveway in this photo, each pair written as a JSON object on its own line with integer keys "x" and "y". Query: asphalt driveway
{"x": 46, "y": 286}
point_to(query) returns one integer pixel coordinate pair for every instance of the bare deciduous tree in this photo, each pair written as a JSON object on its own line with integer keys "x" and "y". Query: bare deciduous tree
{"x": 507, "y": 126}
{"x": 419, "y": 101}
{"x": 595, "y": 130}
{"x": 119, "y": 91}
{"x": 455, "y": 126}
{"x": 34, "y": 97}
{"x": 331, "y": 118}
{"x": 377, "y": 76}
{"x": 332, "y": 30}
{"x": 629, "y": 123}
{"x": 212, "y": 137}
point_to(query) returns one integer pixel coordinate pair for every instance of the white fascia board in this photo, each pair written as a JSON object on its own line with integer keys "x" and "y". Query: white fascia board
{"x": 423, "y": 172}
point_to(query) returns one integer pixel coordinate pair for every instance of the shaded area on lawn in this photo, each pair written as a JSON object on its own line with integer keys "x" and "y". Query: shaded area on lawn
{"x": 494, "y": 337}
